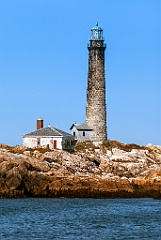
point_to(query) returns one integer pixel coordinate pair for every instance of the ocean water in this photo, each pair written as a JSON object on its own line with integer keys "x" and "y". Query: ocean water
{"x": 42, "y": 218}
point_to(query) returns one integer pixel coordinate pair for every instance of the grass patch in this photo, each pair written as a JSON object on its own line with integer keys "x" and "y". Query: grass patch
{"x": 83, "y": 146}
{"x": 109, "y": 144}
{"x": 21, "y": 149}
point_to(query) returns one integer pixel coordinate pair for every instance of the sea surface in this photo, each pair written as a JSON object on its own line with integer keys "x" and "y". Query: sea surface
{"x": 43, "y": 218}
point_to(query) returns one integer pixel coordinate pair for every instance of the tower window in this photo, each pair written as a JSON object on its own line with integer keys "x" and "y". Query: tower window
{"x": 73, "y": 133}
{"x": 84, "y": 133}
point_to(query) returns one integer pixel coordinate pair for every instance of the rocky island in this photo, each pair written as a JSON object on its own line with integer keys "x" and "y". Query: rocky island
{"x": 104, "y": 170}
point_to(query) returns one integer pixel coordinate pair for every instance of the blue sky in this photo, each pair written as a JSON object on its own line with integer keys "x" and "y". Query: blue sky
{"x": 44, "y": 64}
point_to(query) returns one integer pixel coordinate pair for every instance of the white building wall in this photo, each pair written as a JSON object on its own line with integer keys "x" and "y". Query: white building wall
{"x": 30, "y": 142}
{"x": 79, "y": 134}
{"x": 49, "y": 141}
{"x": 33, "y": 142}
{"x": 82, "y": 138}
{"x": 74, "y": 130}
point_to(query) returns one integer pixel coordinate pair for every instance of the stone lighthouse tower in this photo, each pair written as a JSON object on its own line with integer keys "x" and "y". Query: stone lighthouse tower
{"x": 96, "y": 95}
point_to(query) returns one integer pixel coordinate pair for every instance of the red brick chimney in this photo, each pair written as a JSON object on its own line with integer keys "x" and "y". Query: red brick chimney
{"x": 39, "y": 123}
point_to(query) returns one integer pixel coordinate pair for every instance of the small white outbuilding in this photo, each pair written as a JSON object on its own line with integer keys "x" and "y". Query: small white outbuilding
{"x": 81, "y": 132}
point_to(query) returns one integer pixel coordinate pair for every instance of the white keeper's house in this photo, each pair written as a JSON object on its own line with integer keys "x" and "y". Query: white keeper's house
{"x": 49, "y": 136}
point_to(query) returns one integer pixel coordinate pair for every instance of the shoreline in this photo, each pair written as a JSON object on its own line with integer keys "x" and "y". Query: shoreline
{"x": 104, "y": 189}
{"x": 110, "y": 170}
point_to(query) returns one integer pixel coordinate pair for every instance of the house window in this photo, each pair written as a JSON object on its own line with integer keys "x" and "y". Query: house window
{"x": 84, "y": 133}
{"x": 73, "y": 133}
{"x": 38, "y": 141}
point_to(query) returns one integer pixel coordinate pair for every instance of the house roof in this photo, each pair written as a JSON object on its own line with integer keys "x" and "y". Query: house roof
{"x": 81, "y": 127}
{"x": 48, "y": 131}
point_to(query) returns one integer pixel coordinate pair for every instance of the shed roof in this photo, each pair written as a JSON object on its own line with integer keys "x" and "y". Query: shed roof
{"x": 48, "y": 131}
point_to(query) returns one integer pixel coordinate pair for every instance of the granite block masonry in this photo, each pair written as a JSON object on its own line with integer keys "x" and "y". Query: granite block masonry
{"x": 96, "y": 89}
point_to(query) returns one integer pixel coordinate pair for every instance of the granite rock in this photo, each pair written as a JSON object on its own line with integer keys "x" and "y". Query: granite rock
{"x": 117, "y": 170}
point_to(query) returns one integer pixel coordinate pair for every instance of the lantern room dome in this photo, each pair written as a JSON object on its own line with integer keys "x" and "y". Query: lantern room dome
{"x": 97, "y": 27}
